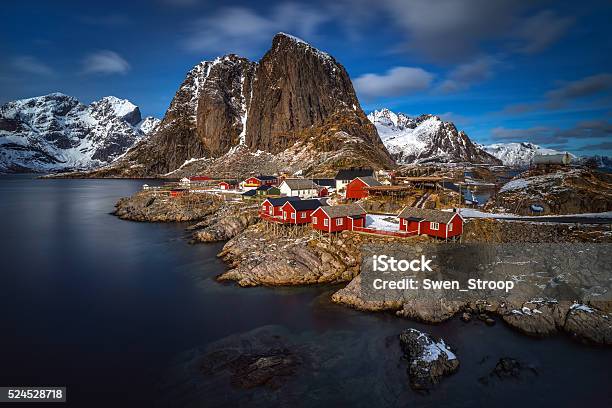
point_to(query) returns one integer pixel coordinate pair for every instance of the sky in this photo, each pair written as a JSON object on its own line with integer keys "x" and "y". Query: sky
{"x": 503, "y": 70}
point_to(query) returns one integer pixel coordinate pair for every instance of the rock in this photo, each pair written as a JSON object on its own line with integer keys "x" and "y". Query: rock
{"x": 466, "y": 317}
{"x": 429, "y": 360}
{"x": 294, "y": 104}
{"x": 508, "y": 368}
{"x": 153, "y": 206}
{"x": 557, "y": 190}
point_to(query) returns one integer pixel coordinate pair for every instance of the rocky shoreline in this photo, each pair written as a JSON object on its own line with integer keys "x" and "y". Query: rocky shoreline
{"x": 275, "y": 255}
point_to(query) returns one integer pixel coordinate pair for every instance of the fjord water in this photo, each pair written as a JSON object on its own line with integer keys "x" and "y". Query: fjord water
{"x": 106, "y": 307}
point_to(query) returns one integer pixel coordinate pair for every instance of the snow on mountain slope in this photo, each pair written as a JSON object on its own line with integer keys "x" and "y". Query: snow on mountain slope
{"x": 516, "y": 154}
{"x": 56, "y": 132}
{"x": 426, "y": 139}
{"x": 148, "y": 124}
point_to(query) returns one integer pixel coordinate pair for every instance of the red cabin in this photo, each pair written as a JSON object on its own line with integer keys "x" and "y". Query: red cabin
{"x": 299, "y": 211}
{"x": 435, "y": 223}
{"x": 256, "y": 181}
{"x": 224, "y": 185}
{"x": 356, "y": 189}
{"x": 175, "y": 192}
{"x": 338, "y": 217}
{"x": 271, "y": 207}
{"x": 322, "y": 192}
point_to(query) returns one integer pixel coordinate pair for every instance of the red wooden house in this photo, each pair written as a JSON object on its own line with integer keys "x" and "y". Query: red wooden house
{"x": 227, "y": 184}
{"x": 199, "y": 178}
{"x": 435, "y": 223}
{"x": 300, "y": 211}
{"x": 338, "y": 217}
{"x": 322, "y": 192}
{"x": 256, "y": 181}
{"x": 271, "y": 207}
{"x": 355, "y": 190}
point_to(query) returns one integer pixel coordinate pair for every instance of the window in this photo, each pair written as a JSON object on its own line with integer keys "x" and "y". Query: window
{"x": 303, "y": 215}
{"x": 314, "y": 220}
{"x": 450, "y": 227}
{"x": 326, "y": 222}
{"x": 434, "y": 226}
{"x": 271, "y": 210}
{"x": 285, "y": 214}
{"x": 339, "y": 221}
{"x": 293, "y": 216}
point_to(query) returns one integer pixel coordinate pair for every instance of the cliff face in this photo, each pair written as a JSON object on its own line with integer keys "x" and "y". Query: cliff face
{"x": 204, "y": 119}
{"x": 297, "y": 87}
{"x": 295, "y": 96}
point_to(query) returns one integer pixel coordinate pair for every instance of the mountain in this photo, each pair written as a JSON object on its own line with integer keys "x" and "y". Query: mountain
{"x": 516, "y": 154}
{"x": 56, "y": 132}
{"x": 295, "y": 109}
{"x": 426, "y": 139}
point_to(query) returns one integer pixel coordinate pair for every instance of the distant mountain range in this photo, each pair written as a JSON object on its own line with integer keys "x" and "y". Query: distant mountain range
{"x": 426, "y": 139}
{"x": 56, "y": 132}
{"x": 295, "y": 110}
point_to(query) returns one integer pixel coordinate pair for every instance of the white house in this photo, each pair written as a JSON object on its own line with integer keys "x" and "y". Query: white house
{"x": 302, "y": 188}
{"x": 345, "y": 176}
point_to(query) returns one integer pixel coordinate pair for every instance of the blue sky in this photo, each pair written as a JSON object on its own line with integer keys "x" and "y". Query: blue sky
{"x": 503, "y": 70}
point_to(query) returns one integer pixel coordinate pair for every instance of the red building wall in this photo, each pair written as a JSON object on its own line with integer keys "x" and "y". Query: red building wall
{"x": 288, "y": 210}
{"x": 355, "y": 190}
{"x": 223, "y": 185}
{"x": 406, "y": 225}
{"x": 347, "y": 223}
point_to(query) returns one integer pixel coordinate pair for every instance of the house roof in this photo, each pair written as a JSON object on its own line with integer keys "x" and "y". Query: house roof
{"x": 422, "y": 214}
{"x": 249, "y": 193}
{"x": 263, "y": 178}
{"x": 350, "y": 174}
{"x": 303, "y": 205}
{"x": 325, "y": 182}
{"x": 264, "y": 188}
{"x": 347, "y": 210}
{"x": 300, "y": 184}
{"x": 370, "y": 181}
{"x": 276, "y": 202}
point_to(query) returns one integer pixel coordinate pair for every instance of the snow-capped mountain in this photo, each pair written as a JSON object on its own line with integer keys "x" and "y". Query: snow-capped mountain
{"x": 426, "y": 139}
{"x": 56, "y": 132}
{"x": 516, "y": 154}
{"x": 295, "y": 102}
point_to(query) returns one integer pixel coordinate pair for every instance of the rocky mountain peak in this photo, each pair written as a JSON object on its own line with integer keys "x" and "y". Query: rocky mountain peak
{"x": 295, "y": 97}
{"x": 121, "y": 108}
{"x": 56, "y": 132}
{"x": 426, "y": 138}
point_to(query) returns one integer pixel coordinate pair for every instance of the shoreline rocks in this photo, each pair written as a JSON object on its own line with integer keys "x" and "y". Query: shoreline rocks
{"x": 429, "y": 359}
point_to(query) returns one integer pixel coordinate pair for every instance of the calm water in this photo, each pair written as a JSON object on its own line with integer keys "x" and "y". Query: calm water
{"x": 108, "y": 307}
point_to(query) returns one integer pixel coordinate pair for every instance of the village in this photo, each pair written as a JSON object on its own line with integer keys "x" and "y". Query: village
{"x": 332, "y": 205}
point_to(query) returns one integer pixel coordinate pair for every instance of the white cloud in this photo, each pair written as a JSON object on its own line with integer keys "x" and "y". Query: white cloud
{"x": 241, "y": 30}
{"x": 32, "y": 65}
{"x": 397, "y": 81}
{"x": 105, "y": 62}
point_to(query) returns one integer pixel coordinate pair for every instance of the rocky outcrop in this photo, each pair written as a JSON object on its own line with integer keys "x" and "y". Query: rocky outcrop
{"x": 225, "y": 223}
{"x": 557, "y": 190}
{"x": 500, "y": 231}
{"x": 286, "y": 255}
{"x": 151, "y": 206}
{"x": 296, "y": 97}
{"x": 429, "y": 359}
